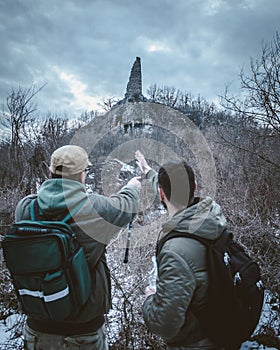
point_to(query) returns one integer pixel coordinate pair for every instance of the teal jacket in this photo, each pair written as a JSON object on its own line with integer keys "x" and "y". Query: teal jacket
{"x": 182, "y": 275}
{"x": 96, "y": 223}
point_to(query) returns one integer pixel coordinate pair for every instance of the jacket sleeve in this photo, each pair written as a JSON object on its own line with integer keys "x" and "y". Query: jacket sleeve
{"x": 120, "y": 208}
{"x": 126, "y": 205}
{"x": 23, "y": 208}
{"x": 164, "y": 312}
{"x": 152, "y": 176}
{"x": 102, "y": 217}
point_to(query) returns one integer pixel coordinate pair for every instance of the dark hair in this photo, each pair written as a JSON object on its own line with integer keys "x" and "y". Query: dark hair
{"x": 60, "y": 168}
{"x": 176, "y": 178}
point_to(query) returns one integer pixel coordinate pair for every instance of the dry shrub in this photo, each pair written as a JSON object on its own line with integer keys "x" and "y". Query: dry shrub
{"x": 8, "y": 299}
{"x": 125, "y": 324}
{"x": 9, "y": 307}
{"x": 9, "y": 198}
{"x": 248, "y": 193}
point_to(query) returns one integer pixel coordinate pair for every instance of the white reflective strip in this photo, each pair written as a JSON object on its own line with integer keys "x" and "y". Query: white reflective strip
{"x": 47, "y": 298}
{"x": 57, "y": 295}
{"x": 33, "y": 293}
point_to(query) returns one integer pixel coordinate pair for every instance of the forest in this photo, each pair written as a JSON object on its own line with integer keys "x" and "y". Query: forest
{"x": 243, "y": 140}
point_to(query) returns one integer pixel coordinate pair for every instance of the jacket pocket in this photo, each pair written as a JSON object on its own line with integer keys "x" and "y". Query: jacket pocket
{"x": 30, "y": 339}
{"x": 56, "y": 294}
{"x": 84, "y": 339}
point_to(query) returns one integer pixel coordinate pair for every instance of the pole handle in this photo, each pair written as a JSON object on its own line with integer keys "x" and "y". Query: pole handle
{"x": 127, "y": 243}
{"x": 125, "y": 260}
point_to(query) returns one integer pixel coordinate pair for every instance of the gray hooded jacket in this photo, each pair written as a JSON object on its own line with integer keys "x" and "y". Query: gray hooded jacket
{"x": 95, "y": 224}
{"x": 182, "y": 276}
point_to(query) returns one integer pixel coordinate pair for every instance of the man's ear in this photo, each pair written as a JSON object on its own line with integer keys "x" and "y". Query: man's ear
{"x": 50, "y": 172}
{"x": 195, "y": 186}
{"x": 83, "y": 177}
{"x": 161, "y": 194}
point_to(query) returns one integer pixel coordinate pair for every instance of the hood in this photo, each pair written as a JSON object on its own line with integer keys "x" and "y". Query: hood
{"x": 204, "y": 219}
{"x": 59, "y": 195}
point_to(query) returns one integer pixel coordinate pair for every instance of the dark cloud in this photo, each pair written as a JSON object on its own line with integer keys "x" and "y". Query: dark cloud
{"x": 84, "y": 49}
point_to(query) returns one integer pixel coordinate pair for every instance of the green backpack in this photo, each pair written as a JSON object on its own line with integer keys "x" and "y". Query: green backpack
{"x": 48, "y": 267}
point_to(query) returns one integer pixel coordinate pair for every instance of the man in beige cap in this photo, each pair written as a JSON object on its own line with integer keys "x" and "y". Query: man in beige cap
{"x": 98, "y": 220}
{"x": 69, "y": 160}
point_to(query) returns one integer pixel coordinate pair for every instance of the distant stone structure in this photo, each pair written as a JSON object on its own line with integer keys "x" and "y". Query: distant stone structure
{"x": 134, "y": 85}
{"x": 162, "y": 133}
{"x": 120, "y": 112}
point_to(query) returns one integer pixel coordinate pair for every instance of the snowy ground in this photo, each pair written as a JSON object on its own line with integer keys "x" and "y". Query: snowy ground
{"x": 7, "y": 344}
{"x": 6, "y": 332}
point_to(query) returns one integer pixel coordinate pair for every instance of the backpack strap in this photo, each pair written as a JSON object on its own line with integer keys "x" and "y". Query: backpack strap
{"x": 73, "y": 211}
{"x": 35, "y": 211}
{"x": 175, "y": 234}
{"x": 226, "y": 234}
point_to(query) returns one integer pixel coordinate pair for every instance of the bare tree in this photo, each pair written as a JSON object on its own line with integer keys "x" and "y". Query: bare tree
{"x": 261, "y": 88}
{"x": 260, "y": 108}
{"x": 20, "y": 111}
{"x": 166, "y": 95}
{"x": 197, "y": 109}
{"x": 153, "y": 92}
{"x": 107, "y": 103}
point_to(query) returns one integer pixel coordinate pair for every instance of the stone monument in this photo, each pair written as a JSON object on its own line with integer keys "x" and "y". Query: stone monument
{"x": 134, "y": 85}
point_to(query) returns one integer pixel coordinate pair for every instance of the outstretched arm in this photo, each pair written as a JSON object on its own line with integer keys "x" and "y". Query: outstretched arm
{"x": 149, "y": 173}
{"x": 142, "y": 163}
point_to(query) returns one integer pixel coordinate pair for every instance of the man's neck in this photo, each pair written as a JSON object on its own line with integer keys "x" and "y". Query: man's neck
{"x": 172, "y": 210}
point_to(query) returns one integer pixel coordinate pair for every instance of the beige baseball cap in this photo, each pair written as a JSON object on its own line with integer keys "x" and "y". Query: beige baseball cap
{"x": 69, "y": 160}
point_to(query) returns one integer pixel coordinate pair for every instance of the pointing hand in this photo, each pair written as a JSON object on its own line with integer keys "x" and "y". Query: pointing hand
{"x": 142, "y": 163}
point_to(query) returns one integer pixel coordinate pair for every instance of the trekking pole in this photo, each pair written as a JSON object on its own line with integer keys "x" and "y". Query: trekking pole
{"x": 125, "y": 260}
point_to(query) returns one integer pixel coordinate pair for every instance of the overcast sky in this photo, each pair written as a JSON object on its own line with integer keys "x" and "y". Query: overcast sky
{"x": 84, "y": 49}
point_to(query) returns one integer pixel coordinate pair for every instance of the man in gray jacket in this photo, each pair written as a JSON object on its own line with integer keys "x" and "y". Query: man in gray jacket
{"x": 98, "y": 220}
{"x": 170, "y": 310}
